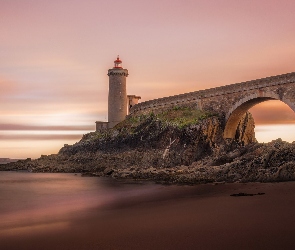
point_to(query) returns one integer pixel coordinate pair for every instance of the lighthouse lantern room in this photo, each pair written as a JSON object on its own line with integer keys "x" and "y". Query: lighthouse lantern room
{"x": 118, "y": 63}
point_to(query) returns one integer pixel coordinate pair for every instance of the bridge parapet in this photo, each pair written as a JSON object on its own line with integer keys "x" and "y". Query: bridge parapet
{"x": 197, "y": 97}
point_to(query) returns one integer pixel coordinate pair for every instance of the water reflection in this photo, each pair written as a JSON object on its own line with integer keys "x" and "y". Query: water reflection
{"x": 67, "y": 211}
{"x": 35, "y": 201}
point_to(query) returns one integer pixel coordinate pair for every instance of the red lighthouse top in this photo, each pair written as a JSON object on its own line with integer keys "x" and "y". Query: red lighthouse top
{"x": 118, "y": 63}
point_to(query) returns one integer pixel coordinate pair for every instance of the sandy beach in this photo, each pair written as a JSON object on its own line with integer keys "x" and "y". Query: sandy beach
{"x": 177, "y": 217}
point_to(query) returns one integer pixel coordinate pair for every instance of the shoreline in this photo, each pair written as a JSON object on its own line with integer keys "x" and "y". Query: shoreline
{"x": 256, "y": 162}
{"x": 151, "y": 180}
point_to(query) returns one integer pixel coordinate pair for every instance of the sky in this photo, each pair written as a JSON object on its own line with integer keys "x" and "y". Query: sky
{"x": 54, "y": 57}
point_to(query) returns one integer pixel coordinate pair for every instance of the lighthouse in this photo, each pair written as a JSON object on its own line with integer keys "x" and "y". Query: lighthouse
{"x": 119, "y": 103}
{"x": 117, "y": 99}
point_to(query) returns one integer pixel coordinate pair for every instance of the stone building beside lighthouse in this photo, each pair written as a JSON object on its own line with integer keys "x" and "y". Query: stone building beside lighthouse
{"x": 119, "y": 103}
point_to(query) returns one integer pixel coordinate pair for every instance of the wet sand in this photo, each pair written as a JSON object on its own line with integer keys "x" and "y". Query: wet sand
{"x": 177, "y": 217}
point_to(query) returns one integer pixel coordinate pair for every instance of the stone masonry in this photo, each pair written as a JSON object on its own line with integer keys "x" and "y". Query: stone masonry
{"x": 117, "y": 100}
{"x": 232, "y": 101}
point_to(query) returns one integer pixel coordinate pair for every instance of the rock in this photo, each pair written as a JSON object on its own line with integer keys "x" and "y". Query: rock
{"x": 245, "y": 194}
{"x": 245, "y": 132}
{"x": 108, "y": 171}
{"x": 195, "y": 152}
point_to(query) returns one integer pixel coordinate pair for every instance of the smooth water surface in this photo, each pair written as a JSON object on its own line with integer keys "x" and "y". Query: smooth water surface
{"x": 49, "y": 200}
{"x": 67, "y": 211}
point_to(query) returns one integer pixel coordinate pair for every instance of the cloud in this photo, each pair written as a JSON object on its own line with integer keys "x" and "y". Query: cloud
{"x": 267, "y": 133}
{"x": 41, "y": 137}
{"x": 7, "y": 87}
{"x": 273, "y": 112}
{"x": 45, "y": 128}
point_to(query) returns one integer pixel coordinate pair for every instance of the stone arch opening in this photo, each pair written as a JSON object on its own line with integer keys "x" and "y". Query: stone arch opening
{"x": 273, "y": 119}
{"x": 235, "y": 114}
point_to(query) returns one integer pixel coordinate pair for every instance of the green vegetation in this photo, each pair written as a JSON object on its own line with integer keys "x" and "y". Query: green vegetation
{"x": 132, "y": 122}
{"x": 178, "y": 117}
{"x": 181, "y": 116}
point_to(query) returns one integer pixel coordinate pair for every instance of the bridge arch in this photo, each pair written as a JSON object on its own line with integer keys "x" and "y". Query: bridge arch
{"x": 235, "y": 114}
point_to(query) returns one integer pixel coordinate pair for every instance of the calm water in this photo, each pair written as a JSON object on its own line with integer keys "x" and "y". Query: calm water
{"x": 36, "y": 201}
{"x": 67, "y": 211}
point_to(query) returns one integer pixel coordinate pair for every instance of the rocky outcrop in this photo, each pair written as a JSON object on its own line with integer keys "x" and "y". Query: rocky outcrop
{"x": 245, "y": 132}
{"x": 177, "y": 146}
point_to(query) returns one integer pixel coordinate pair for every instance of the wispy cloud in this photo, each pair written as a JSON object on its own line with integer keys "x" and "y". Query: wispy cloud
{"x": 273, "y": 112}
{"x": 45, "y": 128}
{"x": 282, "y": 131}
{"x": 33, "y": 137}
{"x": 7, "y": 87}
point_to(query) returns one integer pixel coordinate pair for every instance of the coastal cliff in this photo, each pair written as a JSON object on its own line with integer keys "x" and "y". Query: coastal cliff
{"x": 180, "y": 145}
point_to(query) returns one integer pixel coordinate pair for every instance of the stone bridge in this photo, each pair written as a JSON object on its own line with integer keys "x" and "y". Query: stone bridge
{"x": 232, "y": 101}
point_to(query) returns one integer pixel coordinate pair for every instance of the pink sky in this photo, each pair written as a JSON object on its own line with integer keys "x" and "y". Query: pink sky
{"x": 54, "y": 57}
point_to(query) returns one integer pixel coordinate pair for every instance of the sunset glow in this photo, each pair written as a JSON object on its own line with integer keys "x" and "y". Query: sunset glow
{"x": 54, "y": 57}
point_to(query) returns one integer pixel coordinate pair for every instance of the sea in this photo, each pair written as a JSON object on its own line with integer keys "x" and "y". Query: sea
{"x": 28, "y": 200}
{"x": 68, "y": 211}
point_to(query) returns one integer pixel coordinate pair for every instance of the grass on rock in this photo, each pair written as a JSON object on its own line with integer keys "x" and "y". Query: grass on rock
{"x": 178, "y": 117}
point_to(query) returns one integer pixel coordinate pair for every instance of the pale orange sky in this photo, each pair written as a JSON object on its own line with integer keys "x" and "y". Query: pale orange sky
{"x": 54, "y": 57}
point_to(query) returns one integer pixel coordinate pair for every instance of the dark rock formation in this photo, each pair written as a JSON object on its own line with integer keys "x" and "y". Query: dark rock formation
{"x": 181, "y": 145}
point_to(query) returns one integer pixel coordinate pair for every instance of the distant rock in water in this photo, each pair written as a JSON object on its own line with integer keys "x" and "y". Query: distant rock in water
{"x": 7, "y": 160}
{"x": 180, "y": 145}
